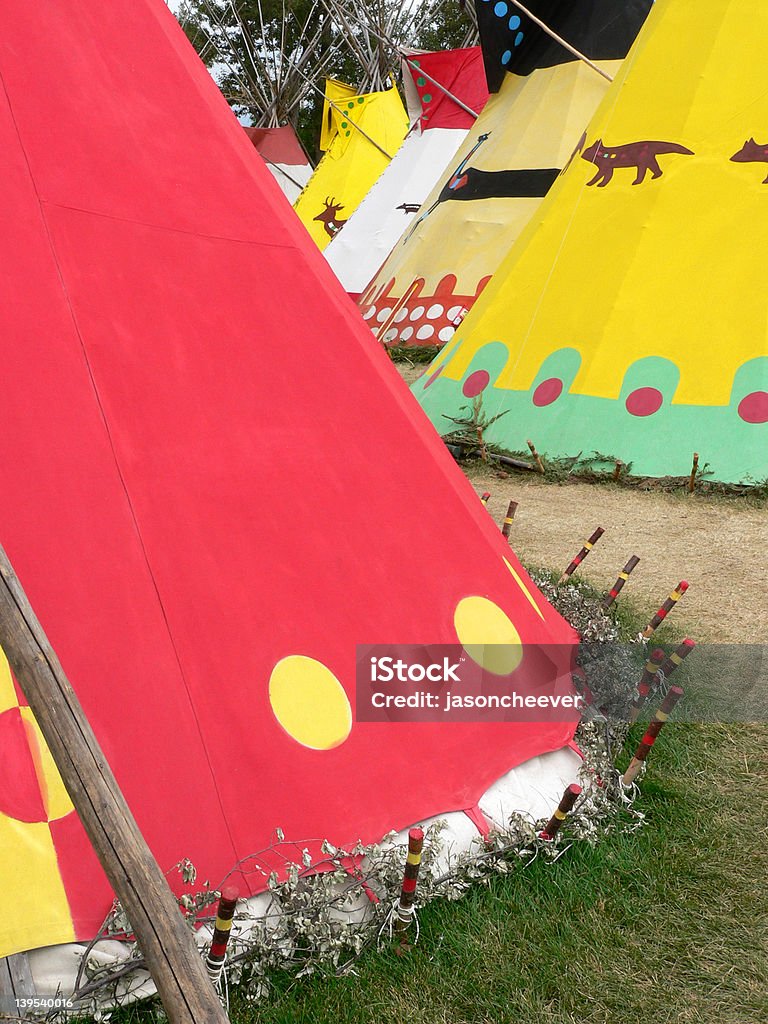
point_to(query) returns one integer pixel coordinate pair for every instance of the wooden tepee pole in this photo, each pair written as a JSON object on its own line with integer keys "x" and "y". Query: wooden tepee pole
{"x": 167, "y": 944}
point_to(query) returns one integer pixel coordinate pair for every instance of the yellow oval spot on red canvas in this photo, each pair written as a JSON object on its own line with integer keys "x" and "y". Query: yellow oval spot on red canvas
{"x": 488, "y": 635}
{"x": 309, "y": 702}
{"x": 56, "y": 799}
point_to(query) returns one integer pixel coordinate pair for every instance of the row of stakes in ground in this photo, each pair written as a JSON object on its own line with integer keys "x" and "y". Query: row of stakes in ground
{"x": 659, "y": 667}
{"x": 622, "y": 578}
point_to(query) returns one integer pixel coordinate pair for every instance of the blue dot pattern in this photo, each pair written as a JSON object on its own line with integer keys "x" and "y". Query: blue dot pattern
{"x": 501, "y": 9}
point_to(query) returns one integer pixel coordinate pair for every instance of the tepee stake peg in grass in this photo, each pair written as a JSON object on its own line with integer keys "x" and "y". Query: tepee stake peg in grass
{"x": 485, "y": 497}
{"x": 536, "y": 456}
{"x": 508, "y": 519}
{"x": 677, "y": 656}
{"x": 615, "y": 590}
{"x": 588, "y": 545}
{"x": 643, "y": 749}
{"x": 410, "y": 878}
{"x": 665, "y": 609}
{"x": 562, "y": 811}
{"x": 647, "y": 682}
{"x": 694, "y": 471}
{"x": 217, "y": 954}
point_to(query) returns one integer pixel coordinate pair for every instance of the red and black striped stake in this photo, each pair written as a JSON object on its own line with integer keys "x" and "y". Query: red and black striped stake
{"x": 644, "y": 747}
{"x": 217, "y": 954}
{"x": 647, "y": 682}
{"x": 665, "y": 609}
{"x": 659, "y": 662}
{"x": 410, "y": 878}
{"x": 484, "y": 497}
{"x": 588, "y": 545}
{"x": 615, "y": 590}
{"x": 677, "y": 656}
{"x": 562, "y": 811}
{"x": 508, "y": 520}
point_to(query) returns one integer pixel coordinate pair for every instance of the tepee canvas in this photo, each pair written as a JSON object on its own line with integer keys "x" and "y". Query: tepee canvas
{"x": 205, "y": 495}
{"x": 543, "y": 98}
{"x": 630, "y": 319}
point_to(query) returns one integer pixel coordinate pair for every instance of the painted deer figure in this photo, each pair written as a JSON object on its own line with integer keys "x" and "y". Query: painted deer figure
{"x": 752, "y": 152}
{"x": 329, "y": 217}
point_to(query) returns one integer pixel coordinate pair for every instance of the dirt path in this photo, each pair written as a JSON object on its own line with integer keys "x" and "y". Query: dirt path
{"x": 717, "y": 544}
{"x": 720, "y": 547}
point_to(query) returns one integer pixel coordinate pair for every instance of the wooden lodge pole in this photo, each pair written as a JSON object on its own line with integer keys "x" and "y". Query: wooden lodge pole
{"x": 167, "y": 944}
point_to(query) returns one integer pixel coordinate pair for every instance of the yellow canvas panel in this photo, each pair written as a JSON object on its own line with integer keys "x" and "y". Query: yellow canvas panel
{"x": 335, "y": 94}
{"x": 55, "y": 797}
{"x": 445, "y": 259}
{"x": 352, "y": 163}
{"x": 8, "y": 697}
{"x": 630, "y": 317}
{"x": 33, "y": 905}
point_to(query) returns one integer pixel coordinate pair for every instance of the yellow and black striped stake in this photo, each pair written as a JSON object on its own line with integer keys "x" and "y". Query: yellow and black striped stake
{"x": 665, "y": 609}
{"x": 644, "y": 747}
{"x": 217, "y": 954}
{"x": 508, "y": 520}
{"x": 647, "y": 682}
{"x": 410, "y": 878}
{"x": 562, "y": 811}
{"x": 536, "y": 456}
{"x": 588, "y": 545}
{"x": 615, "y": 590}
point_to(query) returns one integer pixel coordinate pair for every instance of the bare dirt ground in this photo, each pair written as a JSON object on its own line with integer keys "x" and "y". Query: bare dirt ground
{"x": 719, "y": 545}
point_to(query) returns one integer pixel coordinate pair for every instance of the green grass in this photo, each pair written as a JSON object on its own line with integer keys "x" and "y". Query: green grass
{"x": 658, "y": 926}
{"x": 666, "y": 924}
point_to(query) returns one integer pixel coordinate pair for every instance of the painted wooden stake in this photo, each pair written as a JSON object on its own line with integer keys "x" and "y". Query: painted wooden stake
{"x": 665, "y": 609}
{"x": 410, "y": 878}
{"x": 588, "y": 545}
{"x": 484, "y": 497}
{"x": 217, "y": 954}
{"x": 647, "y": 682}
{"x": 167, "y": 944}
{"x": 694, "y": 470}
{"x": 508, "y": 520}
{"x": 643, "y": 749}
{"x": 536, "y": 456}
{"x": 677, "y": 657}
{"x": 615, "y": 590}
{"x": 562, "y": 811}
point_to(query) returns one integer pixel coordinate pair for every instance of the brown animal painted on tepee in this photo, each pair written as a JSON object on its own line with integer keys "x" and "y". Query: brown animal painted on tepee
{"x": 752, "y": 152}
{"x": 641, "y": 155}
{"x": 329, "y": 217}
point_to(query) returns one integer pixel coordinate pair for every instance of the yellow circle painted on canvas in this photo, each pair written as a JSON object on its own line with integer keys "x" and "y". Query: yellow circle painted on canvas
{"x": 488, "y": 635}
{"x": 309, "y": 702}
{"x": 55, "y": 797}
